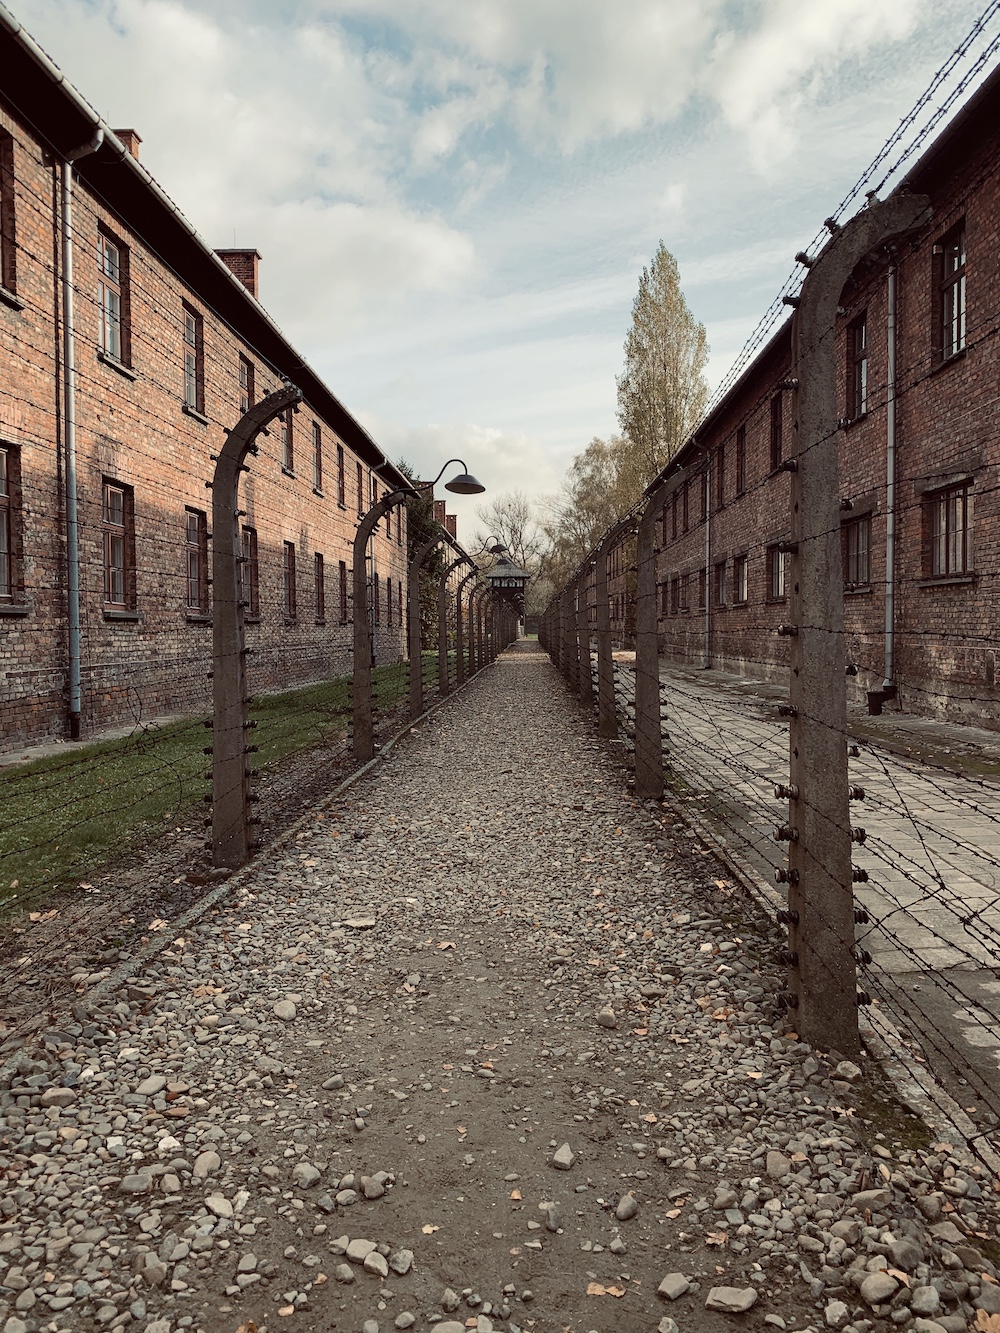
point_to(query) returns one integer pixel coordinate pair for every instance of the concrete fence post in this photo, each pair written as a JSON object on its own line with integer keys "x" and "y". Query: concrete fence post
{"x": 444, "y": 675}
{"x": 230, "y": 776}
{"x": 461, "y": 666}
{"x": 416, "y": 641}
{"x": 648, "y": 728}
{"x": 361, "y": 671}
{"x": 822, "y": 969}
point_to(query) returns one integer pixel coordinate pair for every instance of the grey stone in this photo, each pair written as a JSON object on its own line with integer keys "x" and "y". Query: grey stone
{"x": 628, "y": 1207}
{"x": 138, "y": 1184}
{"x": 375, "y": 1263}
{"x": 906, "y": 1254}
{"x": 874, "y": 1199}
{"x": 563, "y": 1158}
{"x": 877, "y": 1288}
{"x": 673, "y": 1286}
{"x": 449, "y": 1326}
{"x": 836, "y": 1314}
{"x": 777, "y": 1165}
{"x": 359, "y": 1250}
{"x": 219, "y": 1205}
{"x": 848, "y": 1071}
{"x": 401, "y": 1262}
{"x": 343, "y": 1273}
{"x": 731, "y": 1300}
{"x": 305, "y": 1175}
{"x": 925, "y": 1300}
{"x": 988, "y": 1299}
{"x": 606, "y": 1017}
{"x": 948, "y": 1232}
{"x": 58, "y": 1097}
{"x": 205, "y": 1164}
{"x": 404, "y": 1319}
{"x": 667, "y": 1325}
{"x": 152, "y": 1085}
{"x": 450, "y": 1301}
{"x": 15, "y": 1325}
{"x": 285, "y": 1010}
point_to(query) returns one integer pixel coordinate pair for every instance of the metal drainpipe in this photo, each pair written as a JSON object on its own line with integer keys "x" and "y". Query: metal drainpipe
{"x": 69, "y": 424}
{"x": 706, "y": 665}
{"x": 890, "y": 483}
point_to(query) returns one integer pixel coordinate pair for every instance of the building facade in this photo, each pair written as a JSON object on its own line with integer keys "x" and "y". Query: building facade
{"x": 919, "y": 465}
{"x": 168, "y": 346}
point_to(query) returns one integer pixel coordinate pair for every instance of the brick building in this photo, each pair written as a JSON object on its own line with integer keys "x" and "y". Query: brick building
{"x": 170, "y": 346}
{"x": 918, "y": 445}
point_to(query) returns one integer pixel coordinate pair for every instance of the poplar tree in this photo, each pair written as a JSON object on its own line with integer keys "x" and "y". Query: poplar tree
{"x": 662, "y": 393}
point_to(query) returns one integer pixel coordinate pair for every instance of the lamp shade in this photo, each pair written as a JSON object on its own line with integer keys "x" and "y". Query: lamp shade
{"x": 465, "y": 484}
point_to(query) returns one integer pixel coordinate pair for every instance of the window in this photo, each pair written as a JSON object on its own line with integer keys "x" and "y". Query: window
{"x": 683, "y": 597}
{"x": 117, "y": 522}
{"x": 741, "y": 459}
{"x": 388, "y": 603}
{"x": 775, "y": 574}
{"x": 317, "y": 458}
{"x": 702, "y": 582}
{"x": 720, "y": 476}
{"x": 950, "y": 515}
{"x": 361, "y": 490}
{"x": 112, "y": 299}
{"x": 388, "y": 524}
{"x": 250, "y": 574}
{"x": 376, "y": 601}
{"x": 685, "y": 505}
{"x": 664, "y": 599}
{"x": 674, "y": 504}
{"x": 319, "y": 583}
{"x": 342, "y": 572}
{"x": 775, "y": 432}
{"x": 196, "y": 557}
{"x": 290, "y": 606}
{"x": 857, "y": 367}
{"x": 246, "y": 385}
{"x": 194, "y": 361}
{"x": 857, "y": 548}
{"x": 399, "y": 602}
{"x": 341, "y": 486}
{"x": 704, "y": 491}
{"x": 949, "y": 257}
{"x": 10, "y": 591}
{"x": 286, "y": 441}
{"x": 720, "y": 583}
{"x": 740, "y": 580}
{"x": 8, "y": 251}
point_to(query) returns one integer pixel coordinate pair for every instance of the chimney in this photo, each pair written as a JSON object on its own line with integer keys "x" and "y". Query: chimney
{"x": 451, "y": 523}
{"x": 439, "y": 514}
{"x": 131, "y": 141}
{"x": 243, "y": 265}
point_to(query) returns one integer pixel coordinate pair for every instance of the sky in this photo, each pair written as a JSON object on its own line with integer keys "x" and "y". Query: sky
{"x": 454, "y": 199}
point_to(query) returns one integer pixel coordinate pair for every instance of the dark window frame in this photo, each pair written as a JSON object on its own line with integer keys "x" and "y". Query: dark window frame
{"x": 361, "y": 491}
{"x": 950, "y": 294}
{"x": 719, "y": 593}
{"x": 741, "y": 460}
{"x": 948, "y": 520}
{"x": 720, "y": 476}
{"x": 388, "y": 601}
{"x": 741, "y": 579}
{"x": 8, "y": 216}
{"x": 195, "y": 561}
{"x": 11, "y": 535}
{"x": 286, "y": 441}
{"x": 345, "y": 605}
{"x": 857, "y": 367}
{"x": 118, "y": 545}
{"x": 117, "y": 328}
{"x": 250, "y": 574}
{"x": 319, "y": 587}
{"x": 194, "y": 359}
{"x": 290, "y": 600}
{"x": 777, "y": 574}
{"x": 341, "y": 479}
{"x": 856, "y": 545}
{"x": 317, "y": 442}
{"x": 247, "y": 384}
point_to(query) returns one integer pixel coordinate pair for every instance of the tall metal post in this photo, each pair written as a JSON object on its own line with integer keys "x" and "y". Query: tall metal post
{"x": 230, "y": 777}
{"x": 416, "y": 644}
{"x": 361, "y": 671}
{"x": 648, "y": 729}
{"x": 822, "y": 975}
{"x": 444, "y": 680}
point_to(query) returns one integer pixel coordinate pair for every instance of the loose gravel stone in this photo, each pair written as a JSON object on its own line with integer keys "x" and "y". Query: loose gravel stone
{"x": 731, "y": 1300}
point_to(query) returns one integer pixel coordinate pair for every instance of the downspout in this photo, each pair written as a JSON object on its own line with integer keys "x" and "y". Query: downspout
{"x": 69, "y": 426}
{"x": 890, "y": 483}
{"x": 707, "y": 663}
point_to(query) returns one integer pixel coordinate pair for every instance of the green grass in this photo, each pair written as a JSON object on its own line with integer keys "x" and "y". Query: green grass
{"x": 69, "y": 815}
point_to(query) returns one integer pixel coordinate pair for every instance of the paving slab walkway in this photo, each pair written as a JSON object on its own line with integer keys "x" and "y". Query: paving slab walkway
{"x": 491, "y": 1047}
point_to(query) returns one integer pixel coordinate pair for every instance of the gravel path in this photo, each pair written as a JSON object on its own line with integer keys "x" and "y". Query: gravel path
{"x": 493, "y": 1049}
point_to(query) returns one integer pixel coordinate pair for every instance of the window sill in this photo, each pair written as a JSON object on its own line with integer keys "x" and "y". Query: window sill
{"x": 947, "y": 361}
{"x": 850, "y": 422}
{"x": 8, "y": 298}
{"x": 341, "y": 505}
{"x": 948, "y": 581}
{"x": 858, "y": 589}
{"x": 114, "y": 364}
{"x": 113, "y": 613}
{"x": 740, "y": 606}
{"x": 287, "y": 471}
{"x": 14, "y": 609}
{"x": 776, "y": 601}
{"x": 290, "y": 620}
{"x": 321, "y": 620}
{"x": 317, "y": 490}
{"x": 198, "y": 617}
{"x": 249, "y": 619}
{"x": 190, "y": 411}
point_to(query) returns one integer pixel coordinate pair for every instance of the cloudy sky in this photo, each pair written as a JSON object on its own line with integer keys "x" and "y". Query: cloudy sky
{"x": 454, "y": 198}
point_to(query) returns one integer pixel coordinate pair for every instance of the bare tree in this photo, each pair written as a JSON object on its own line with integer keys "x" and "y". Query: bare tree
{"x": 662, "y": 391}
{"x": 511, "y": 518}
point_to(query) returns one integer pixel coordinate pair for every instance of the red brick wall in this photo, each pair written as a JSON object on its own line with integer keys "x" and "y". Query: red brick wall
{"x": 132, "y": 429}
